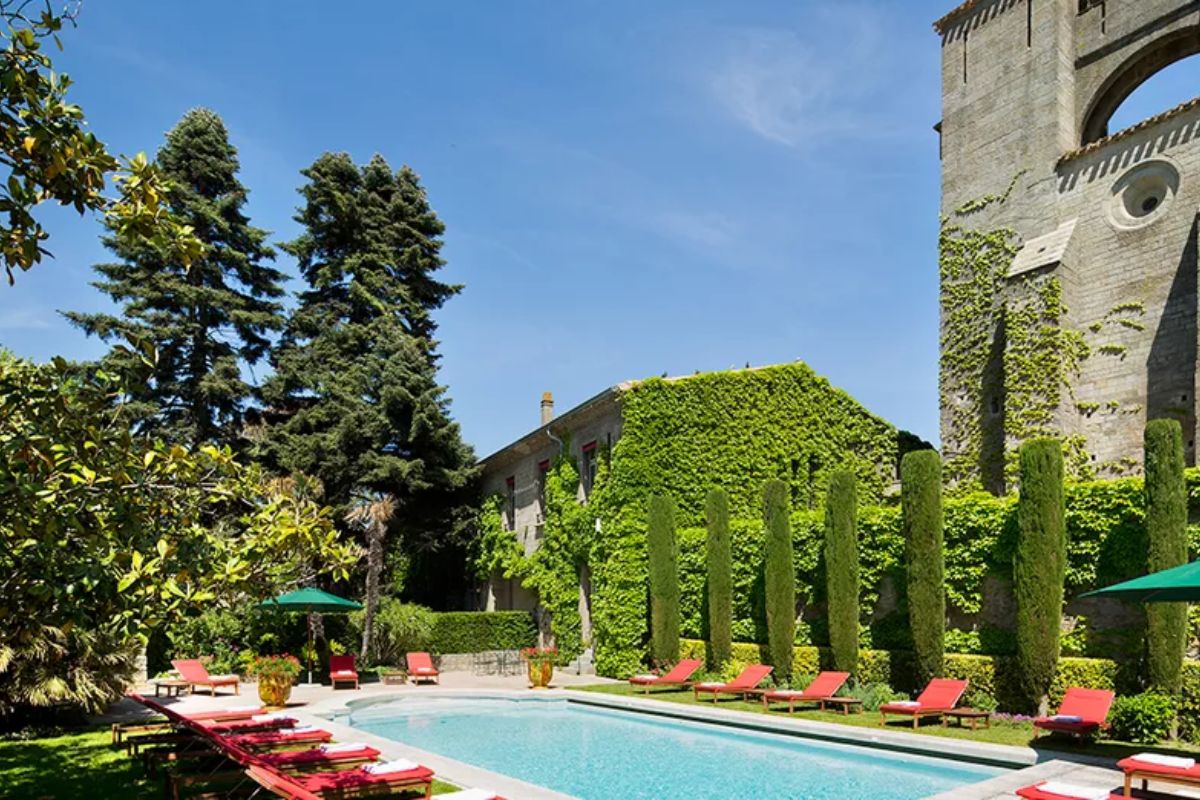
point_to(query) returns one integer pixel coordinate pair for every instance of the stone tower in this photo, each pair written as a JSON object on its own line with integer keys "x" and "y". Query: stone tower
{"x": 1068, "y": 251}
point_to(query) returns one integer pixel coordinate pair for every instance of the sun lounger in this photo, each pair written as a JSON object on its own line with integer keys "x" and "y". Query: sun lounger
{"x": 679, "y": 676}
{"x": 1083, "y": 712}
{"x": 823, "y": 687}
{"x": 420, "y": 668}
{"x": 1059, "y": 790}
{"x": 362, "y": 780}
{"x": 940, "y": 696}
{"x": 195, "y": 674}
{"x": 1167, "y": 769}
{"x": 341, "y": 670}
{"x": 742, "y": 685}
{"x": 284, "y": 737}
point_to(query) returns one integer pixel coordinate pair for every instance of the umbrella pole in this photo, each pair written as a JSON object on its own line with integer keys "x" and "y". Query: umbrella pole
{"x": 311, "y": 645}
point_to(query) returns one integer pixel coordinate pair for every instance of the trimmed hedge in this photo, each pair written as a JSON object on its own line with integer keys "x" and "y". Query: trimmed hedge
{"x": 664, "y": 581}
{"x": 1166, "y": 530}
{"x": 477, "y": 631}
{"x": 924, "y": 558}
{"x": 780, "y": 579}
{"x": 719, "y": 573}
{"x": 841, "y": 571}
{"x": 1039, "y": 570}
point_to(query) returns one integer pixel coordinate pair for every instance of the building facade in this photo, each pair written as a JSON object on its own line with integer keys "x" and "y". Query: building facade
{"x": 1069, "y": 251}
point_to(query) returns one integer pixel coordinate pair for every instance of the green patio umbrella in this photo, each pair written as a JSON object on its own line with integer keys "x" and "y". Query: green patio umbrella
{"x": 1176, "y": 585}
{"x": 311, "y": 600}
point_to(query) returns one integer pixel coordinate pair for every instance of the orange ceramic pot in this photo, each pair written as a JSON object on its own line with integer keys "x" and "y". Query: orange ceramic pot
{"x": 540, "y": 673}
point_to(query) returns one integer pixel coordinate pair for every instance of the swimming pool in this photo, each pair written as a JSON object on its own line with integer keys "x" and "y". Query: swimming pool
{"x": 602, "y": 754}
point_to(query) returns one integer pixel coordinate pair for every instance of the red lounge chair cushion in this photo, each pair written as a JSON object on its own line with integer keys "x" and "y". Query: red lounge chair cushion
{"x": 894, "y": 708}
{"x": 342, "y": 667}
{"x": 751, "y": 676}
{"x": 678, "y": 674}
{"x": 317, "y": 756}
{"x": 1132, "y": 764}
{"x": 279, "y": 737}
{"x": 1036, "y": 793}
{"x": 823, "y": 686}
{"x": 356, "y": 778}
{"x": 1084, "y": 726}
{"x": 239, "y": 725}
{"x": 942, "y": 694}
{"x": 228, "y": 715}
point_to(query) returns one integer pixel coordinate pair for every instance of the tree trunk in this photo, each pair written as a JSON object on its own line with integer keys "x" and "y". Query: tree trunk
{"x": 374, "y": 575}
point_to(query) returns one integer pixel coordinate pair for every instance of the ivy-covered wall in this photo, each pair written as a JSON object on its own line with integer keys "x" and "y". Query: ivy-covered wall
{"x": 730, "y": 430}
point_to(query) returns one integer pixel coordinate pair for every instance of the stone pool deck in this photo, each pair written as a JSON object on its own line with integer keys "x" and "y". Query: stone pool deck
{"x": 319, "y": 705}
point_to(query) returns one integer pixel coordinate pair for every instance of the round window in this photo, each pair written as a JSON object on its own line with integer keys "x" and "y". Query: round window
{"x": 1142, "y": 194}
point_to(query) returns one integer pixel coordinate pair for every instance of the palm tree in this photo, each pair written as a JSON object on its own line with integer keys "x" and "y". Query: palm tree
{"x": 373, "y": 515}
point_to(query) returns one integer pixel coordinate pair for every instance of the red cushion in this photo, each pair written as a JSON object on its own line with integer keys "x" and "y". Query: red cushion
{"x": 354, "y": 778}
{"x": 274, "y": 737}
{"x": 1132, "y": 764}
{"x": 318, "y": 756}
{"x": 1035, "y": 793}
{"x": 1084, "y": 726}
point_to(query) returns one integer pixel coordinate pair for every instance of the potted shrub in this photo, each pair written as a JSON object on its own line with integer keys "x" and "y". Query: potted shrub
{"x": 541, "y": 665}
{"x": 275, "y": 675}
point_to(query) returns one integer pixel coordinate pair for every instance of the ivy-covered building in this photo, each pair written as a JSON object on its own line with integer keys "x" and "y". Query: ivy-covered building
{"x": 675, "y": 436}
{"x": 1068, "y": 255}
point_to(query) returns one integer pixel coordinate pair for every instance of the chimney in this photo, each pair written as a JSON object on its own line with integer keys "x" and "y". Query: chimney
{"x": 547, "y": 407}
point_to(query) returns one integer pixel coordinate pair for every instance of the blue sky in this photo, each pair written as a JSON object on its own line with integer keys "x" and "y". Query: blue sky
{"x": 629, "y": 188}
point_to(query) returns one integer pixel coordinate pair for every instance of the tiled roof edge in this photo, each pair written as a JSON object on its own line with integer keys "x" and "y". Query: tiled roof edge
{"x": 1149, "y": 122}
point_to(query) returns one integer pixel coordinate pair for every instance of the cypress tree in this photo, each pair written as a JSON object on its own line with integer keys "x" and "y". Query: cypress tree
{"x": 780, "y": 579}
{"x": 841, "y": 570}
{"x": 1039, "y": 569}
{"x": 1166, "y": 527}
{"x": 355, "y": 398}
{"x": 921, "y": 509}
{"x": 664, "y": 581}
{"x": 205, "y": 320}
{"x": 720, "y": 577}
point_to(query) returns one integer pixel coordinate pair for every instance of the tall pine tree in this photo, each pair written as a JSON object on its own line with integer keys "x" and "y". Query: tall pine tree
{"x": 355, "y": 395}
{"x": 203, "y": 321}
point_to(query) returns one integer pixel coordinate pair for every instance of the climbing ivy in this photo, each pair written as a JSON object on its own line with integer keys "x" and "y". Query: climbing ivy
{"x": 730, "y": 430}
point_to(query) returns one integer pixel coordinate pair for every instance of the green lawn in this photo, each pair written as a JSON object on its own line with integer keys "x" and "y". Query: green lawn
{"x": 1001, "y": 732}
{"x": 80, "y": 764}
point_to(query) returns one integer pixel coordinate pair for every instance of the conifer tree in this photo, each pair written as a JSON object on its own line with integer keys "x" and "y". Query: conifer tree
{"x": 779, "y": 579}
{"x": 204, "y": 320}
{"x": 1166, "y": 529}
{"x": 664, "y": 581}
{"x": 841, "y": 570}
{"x": 355, "y": 400}
{"x": 720, "y": 577}
{"x": 921, "y": 510}
{"x": 1039, "y": 569}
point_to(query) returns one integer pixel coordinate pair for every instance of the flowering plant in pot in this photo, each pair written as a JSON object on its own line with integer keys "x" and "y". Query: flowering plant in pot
{"x": 541, "y": 665}
{"x": 275, "y": 675}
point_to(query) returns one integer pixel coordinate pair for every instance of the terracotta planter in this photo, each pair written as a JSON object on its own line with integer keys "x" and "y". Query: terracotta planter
{"x": 540, "y": 673}
{"x": 274, "y": 691}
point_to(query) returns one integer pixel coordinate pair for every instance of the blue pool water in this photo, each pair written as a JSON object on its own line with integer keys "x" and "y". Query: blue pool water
{"x": 598, "y": 754}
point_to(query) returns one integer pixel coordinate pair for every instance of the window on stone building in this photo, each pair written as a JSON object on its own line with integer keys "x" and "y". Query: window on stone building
{"x": 510, "y": 503}
{"x": 543, "y": 471}
{"x": 587, "y": 468}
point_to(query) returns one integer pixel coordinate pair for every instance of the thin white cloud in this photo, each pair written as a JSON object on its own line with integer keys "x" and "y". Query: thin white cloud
{"x": 25, "y": 319}
{"x": 802, "y": 86}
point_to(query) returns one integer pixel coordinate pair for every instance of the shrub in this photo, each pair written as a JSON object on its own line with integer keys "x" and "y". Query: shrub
{"x": 228, "y": 637}
{"x": 720, "y": 576}
{"x": 1039, "y": 570}
{"x": 873, "y": 695}
{"x": 399, "y": 628}
{"x": 664, "y": 581}
{"x": 1143, "y": 718}
{"x": 1189, "y": 701}
{"x": 1166, "y": 529}
{"x": 841, "y": 570}
{"x": 479, "y": 631}
{"x": 921, "y": 503}
{"x": 779, "y": 579}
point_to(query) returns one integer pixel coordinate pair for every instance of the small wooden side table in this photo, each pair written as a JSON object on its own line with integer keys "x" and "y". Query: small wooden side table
{"x": 974, "y": 715}
{"x": 844, "y": 703}
{"x": 394, "y": 677}
{"x": 174, "y": 687}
